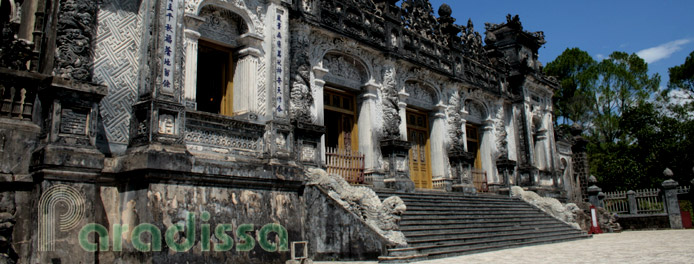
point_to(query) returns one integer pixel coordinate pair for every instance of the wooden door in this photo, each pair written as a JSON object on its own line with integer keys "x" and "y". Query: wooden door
{"x": 340, "y": 120}
{"x": 418, "y": 136}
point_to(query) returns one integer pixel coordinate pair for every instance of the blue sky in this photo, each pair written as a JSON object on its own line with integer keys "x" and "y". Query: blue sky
{"x": 661, "y": 32}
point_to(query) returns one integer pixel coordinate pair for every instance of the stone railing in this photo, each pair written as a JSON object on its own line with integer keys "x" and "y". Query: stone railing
{"x": 646, "y": 201}
{"x": 643, "y": 203}
{"x": 223, "y": 134}
{"x": 440, "y": 183}
{"x": 18, "y": 90}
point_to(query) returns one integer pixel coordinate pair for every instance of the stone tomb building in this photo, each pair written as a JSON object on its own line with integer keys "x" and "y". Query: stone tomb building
{"x": 150, "y": 110}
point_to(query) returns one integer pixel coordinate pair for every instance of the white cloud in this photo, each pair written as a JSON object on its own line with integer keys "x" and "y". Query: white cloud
{"x": 662, "y": 51}
{"x": 600, "y": 56}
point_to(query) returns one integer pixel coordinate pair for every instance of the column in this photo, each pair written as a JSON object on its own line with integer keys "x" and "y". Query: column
{"x": 245, "y": 76}
{"x": 245, "y": 84}
{"x": 436, "y": 142}
{"x": 540, "y": 154}
{"x": 593, "y": 192}
{"x": 672, "y": 203}
{"x": 26, "y": 26}
{"x": 631, "y": 198}
{"x": 318, "y": 84}
{"x": 367, "y": 139}
{"x": 402, "y": 112}
{"x": 190, "y": 77}
{"x": 486, "y": 143}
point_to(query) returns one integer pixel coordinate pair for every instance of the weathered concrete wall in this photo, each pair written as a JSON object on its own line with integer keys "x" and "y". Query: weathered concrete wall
{"x": 164, "y": 205}
{"x": 335, "y": 233}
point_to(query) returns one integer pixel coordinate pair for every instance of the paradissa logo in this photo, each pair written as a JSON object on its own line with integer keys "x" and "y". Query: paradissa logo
{"x": 245, "y": 242}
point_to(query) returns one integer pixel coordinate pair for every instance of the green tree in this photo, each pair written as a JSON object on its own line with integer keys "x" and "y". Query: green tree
{"x": 622, "y": 82}
{"x": 682, "y": 76}
{"x": 570, "y": 100}
{"x": 661, "y": 136}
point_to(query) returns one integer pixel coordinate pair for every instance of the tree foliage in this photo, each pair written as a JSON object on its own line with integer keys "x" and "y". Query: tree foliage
{"x": 571, "y": 69}
{"x": 632, "y": 138}
{"x": 682, "y": 76}
{"x": 661, "y": 136}
{"x": 622, "y": 81}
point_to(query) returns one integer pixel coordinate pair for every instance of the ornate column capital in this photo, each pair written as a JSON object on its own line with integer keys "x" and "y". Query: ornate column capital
{"x": 488, "y": 125}
{"x": 440, "y": 110}
{"x": 370, "y": 90}
{"x": 193, "y": 22}
{"x": 320, "y": 72}
{"x": 253, "y": 52}
{"x": 251, "y": 40}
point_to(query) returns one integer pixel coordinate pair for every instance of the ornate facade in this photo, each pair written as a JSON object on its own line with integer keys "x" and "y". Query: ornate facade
{"x": 154, "y": 108}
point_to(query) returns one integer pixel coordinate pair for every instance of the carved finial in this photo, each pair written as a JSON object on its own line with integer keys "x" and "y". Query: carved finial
{"x": 445, "y": 10}
{"x": 667, "y": 172}
{"x": 592, "y": 179}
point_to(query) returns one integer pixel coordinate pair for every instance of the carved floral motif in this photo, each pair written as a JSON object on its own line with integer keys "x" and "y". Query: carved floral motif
{"x": 391, "y": 110}
{"x": 250, "y": 8}
{"x": 76, "y": 27}
{"x": 420, "y": 95}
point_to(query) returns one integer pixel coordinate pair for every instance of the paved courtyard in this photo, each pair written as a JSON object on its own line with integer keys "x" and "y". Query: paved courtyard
{"x": 665, "y": 246}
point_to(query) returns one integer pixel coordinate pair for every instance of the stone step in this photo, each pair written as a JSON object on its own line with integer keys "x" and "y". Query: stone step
{"x": 486, "y": 248}
{"x": 487, "y": 213}
{"x": 435, "y": 204}
{"x": 435, "y": 249}
{"x": 419, "y": 209}
{"x": 469, "y": 219}
{"x": 445, "y": 224}
{"x": 447, "y": 196}
{"x": 461, "y": 233}
{"x": 426, "y": 229}
{"x": 483, "y": 238}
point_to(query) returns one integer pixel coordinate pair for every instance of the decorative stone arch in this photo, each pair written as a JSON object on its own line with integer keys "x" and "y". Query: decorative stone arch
{"x": 345, "y": 70}
{"x": 194, "y": 7}
{"x": 422, "y": 94}
{"x": 475, "y": 111}
{"x": 231, "y": 25}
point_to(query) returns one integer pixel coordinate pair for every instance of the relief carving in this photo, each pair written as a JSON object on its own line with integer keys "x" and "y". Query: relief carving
{"x": 500, "y": 129}
{"x": 249, "y": 8}
{"x": 301, "y": 98}
{"x": 344, "y": 68}
{"x": 455, "y": 124}
{"x": 420, "y": 95}
{"x": 391, "y": 110}
{"x": 76, "y": 26}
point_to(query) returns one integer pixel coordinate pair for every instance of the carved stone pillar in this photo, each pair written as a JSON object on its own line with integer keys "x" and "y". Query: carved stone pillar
{"x": 245, "y": 81}
{"x": 506, "y": 168}
{"x": 396, "y": 159}
{"x": 367, "y": 112}
{"x": 319, "y": 83}
{"x": 70, "y": 112}
{"x": 190, "y": 41}
{"x": 245, "y": 75}
{"x": 486, "y": 149}
{"x": 461, "y": 163}
{"x": 438, "y": 166}
{"x": 26, "y": 27}
{"x": 402, "y": 99}
{"x": 463, "y": 124}
{"x": 540, "y": 149}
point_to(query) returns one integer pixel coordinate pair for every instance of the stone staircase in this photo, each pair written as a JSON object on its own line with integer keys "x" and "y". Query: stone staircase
{"x": 438, "y": 225}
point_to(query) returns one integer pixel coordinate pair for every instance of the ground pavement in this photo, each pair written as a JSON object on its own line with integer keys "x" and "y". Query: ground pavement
{"x": 662, "y": 246}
